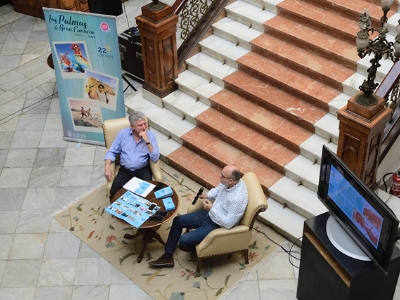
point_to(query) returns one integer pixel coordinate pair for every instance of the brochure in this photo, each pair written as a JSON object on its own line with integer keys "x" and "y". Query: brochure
{"x": 139, "y": 186}
{"x": 168, "y": 203}
{"x": 165, "y": 192}
{"x": 132, "y": 208}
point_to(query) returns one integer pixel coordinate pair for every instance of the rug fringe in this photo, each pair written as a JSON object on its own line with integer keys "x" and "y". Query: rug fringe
{"x": 248, "y": 273}
{"x": 78, "y": 199}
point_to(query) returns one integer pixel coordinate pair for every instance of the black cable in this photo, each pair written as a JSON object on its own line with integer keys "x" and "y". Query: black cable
{"x": 384, "y": 182}
{"x": 126, "y": 16}
{"x": 25, "y": 109}
{"x": 289, "y": 252}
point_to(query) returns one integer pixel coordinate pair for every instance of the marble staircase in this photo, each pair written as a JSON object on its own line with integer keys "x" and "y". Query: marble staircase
{"x": 263, "y": 93}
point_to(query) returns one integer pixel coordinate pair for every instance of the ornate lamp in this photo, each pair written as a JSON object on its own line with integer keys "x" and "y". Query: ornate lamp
{"x": 379, "y": 47}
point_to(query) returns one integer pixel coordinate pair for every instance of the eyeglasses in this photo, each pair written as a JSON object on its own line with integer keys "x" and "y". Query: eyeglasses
{"x": 222, "y": 176}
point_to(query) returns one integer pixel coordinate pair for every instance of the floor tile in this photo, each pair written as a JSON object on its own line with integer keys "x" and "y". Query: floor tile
{"x": 278, "y": 289}
{"x": 28, "y": 246}
{"x": 45, "y": 176}
{"x": 95, "y": 292}
{"x": 26, "y": 139}
{"x": 21, "y": 273}
{"x": 83, "y": 156}
{"x": 76, "y": 176}
{"x": 50, "y": 157}
{"x": 19, "y": 158}
{"x": 9, "y": 220}
{"x": 15, "y": 177}
{"x": 34, "y": 221}
{"x": 52, "y": 138}
{"x": 92, "y": 271}
{"x": 53, "y": 293}
{"x": 12, "y": 199}
{"x": 57, "y": 272}
{"x": 124, "y": 291}
{"x": 28, "y": 122}
{"x": 40, "y": 198}
{"x": 5, "y": 246}
{"x": 61, "y": 245}
{"x": 17, "y": 293}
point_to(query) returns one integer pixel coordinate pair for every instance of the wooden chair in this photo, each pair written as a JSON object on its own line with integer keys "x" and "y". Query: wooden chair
{"x": 110, "y": 129}
{"x": 223, "y": 241}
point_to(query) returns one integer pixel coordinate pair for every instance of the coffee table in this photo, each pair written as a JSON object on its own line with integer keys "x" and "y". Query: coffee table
{"x": 149, "y": 229}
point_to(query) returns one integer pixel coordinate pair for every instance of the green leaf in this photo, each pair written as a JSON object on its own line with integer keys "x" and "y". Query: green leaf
{"x": 78, "y": 208}
{"x": 102, "y": 211}
{"x": 219, "y": 291}
{"x": 121, "y": 260}
{"x": 72, "y": 229}
{"x": 227, "y": 279}
{"x": 111, "y": 227}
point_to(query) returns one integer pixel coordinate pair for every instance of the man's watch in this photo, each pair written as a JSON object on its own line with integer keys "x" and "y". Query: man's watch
{"x": 148, "y": 143}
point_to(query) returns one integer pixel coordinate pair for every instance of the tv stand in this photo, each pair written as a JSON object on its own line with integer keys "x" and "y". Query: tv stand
{"x": 327, "y": 273}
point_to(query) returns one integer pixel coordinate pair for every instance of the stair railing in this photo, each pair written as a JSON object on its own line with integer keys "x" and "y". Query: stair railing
{"x": 389, "y": 89}
{"x": 195, "y": 18}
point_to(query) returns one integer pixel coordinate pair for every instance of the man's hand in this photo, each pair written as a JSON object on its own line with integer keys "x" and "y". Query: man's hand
{"x": 143, "y": 135}
{"x": 108, "y": 173}
{"x": 207, "y": 204}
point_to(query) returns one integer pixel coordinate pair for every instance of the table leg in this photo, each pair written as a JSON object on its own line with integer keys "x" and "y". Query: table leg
{"x": 147, "y": 234}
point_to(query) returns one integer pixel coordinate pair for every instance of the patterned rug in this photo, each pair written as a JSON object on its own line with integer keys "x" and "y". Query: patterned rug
{"x": 87, "y": 219}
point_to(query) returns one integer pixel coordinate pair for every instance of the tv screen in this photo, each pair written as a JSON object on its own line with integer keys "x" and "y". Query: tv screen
{"x": 361, "y": 213}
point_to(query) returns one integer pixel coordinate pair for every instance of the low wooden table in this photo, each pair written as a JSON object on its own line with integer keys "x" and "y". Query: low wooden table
{"x": 149, "y": 229}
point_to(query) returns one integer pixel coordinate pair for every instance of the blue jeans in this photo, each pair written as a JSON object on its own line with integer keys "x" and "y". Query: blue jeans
{"x": 198, "y": 220}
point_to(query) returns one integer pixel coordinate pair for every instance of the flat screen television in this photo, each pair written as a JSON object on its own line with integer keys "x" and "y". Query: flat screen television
{"x": 360, "y": 212}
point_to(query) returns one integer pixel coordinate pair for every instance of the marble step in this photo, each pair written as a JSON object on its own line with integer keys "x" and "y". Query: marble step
{"x": 312, "y": 147}
{"x": 197, "y": 86}
{"x": 284, "y": 220}
{"x": 302, "y": 61}
{"x": 248, "y": 14}
{"x": 309, "y": 89}
{"x": 195, "y": 165}
{"x": 160, "y": 118}
{"x": 216, "y": 132}
{"x": 260, "y": 119}
{"x": 268, "y": 5}
{"x": 222, "y": 50}
{"x": 235, "y": 32}
{"x": 352, "y": 9}
{"x": 319, "y": 18}
{"x": 275, "y": 100}
{"x": 297, "y": 197}
{"x": 328, "y": 128}
{"x": 184, "y": 106}
{"x": 303, "y": 171}
{"x": 295, "y": 35}
{"x": 210, "y": 68}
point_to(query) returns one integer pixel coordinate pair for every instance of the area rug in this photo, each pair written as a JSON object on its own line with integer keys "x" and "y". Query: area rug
{"x": 87, "y": 219}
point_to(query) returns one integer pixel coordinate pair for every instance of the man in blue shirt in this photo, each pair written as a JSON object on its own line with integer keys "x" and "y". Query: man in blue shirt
{"x": 135, "y": 145}
{"x": 223, "y": 205}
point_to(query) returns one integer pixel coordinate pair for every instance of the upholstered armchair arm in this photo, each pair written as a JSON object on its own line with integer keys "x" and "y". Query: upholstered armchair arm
{"x": 156, "y": 170}
{"x": 221, "y": 240}
{"x": 114, "y": 168}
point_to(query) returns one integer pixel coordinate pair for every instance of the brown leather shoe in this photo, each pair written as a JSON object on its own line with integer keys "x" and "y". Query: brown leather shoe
{"x": 162, "y": 262}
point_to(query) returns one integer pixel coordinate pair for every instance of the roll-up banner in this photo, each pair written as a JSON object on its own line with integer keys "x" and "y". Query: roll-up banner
{"x": 87, "y": 66}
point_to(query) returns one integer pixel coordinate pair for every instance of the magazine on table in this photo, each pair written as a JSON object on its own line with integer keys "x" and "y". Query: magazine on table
{"x": 132, "y": 208}
{"x": 139, "y": 186}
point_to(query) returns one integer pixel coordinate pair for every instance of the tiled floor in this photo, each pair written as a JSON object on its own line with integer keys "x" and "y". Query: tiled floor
{"x": 39, "y": 175}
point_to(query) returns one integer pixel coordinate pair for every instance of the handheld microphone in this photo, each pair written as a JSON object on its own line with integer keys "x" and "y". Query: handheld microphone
{"x": 197, "y": 196}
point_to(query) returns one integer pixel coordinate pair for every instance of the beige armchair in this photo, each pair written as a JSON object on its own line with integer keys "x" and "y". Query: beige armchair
{"x": 222, "y": 241}
{"x": 110, "y": 129}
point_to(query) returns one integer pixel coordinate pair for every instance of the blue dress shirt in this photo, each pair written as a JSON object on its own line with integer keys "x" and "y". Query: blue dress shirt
{"x": 133, "y": 156}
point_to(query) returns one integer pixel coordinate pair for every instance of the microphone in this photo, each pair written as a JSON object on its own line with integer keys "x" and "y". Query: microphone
{"x": 197, "y": 196}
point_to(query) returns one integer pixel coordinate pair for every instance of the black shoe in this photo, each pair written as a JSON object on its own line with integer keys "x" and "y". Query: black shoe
{"x": 164, "y": 261}
{"x": 184, "y": 249}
